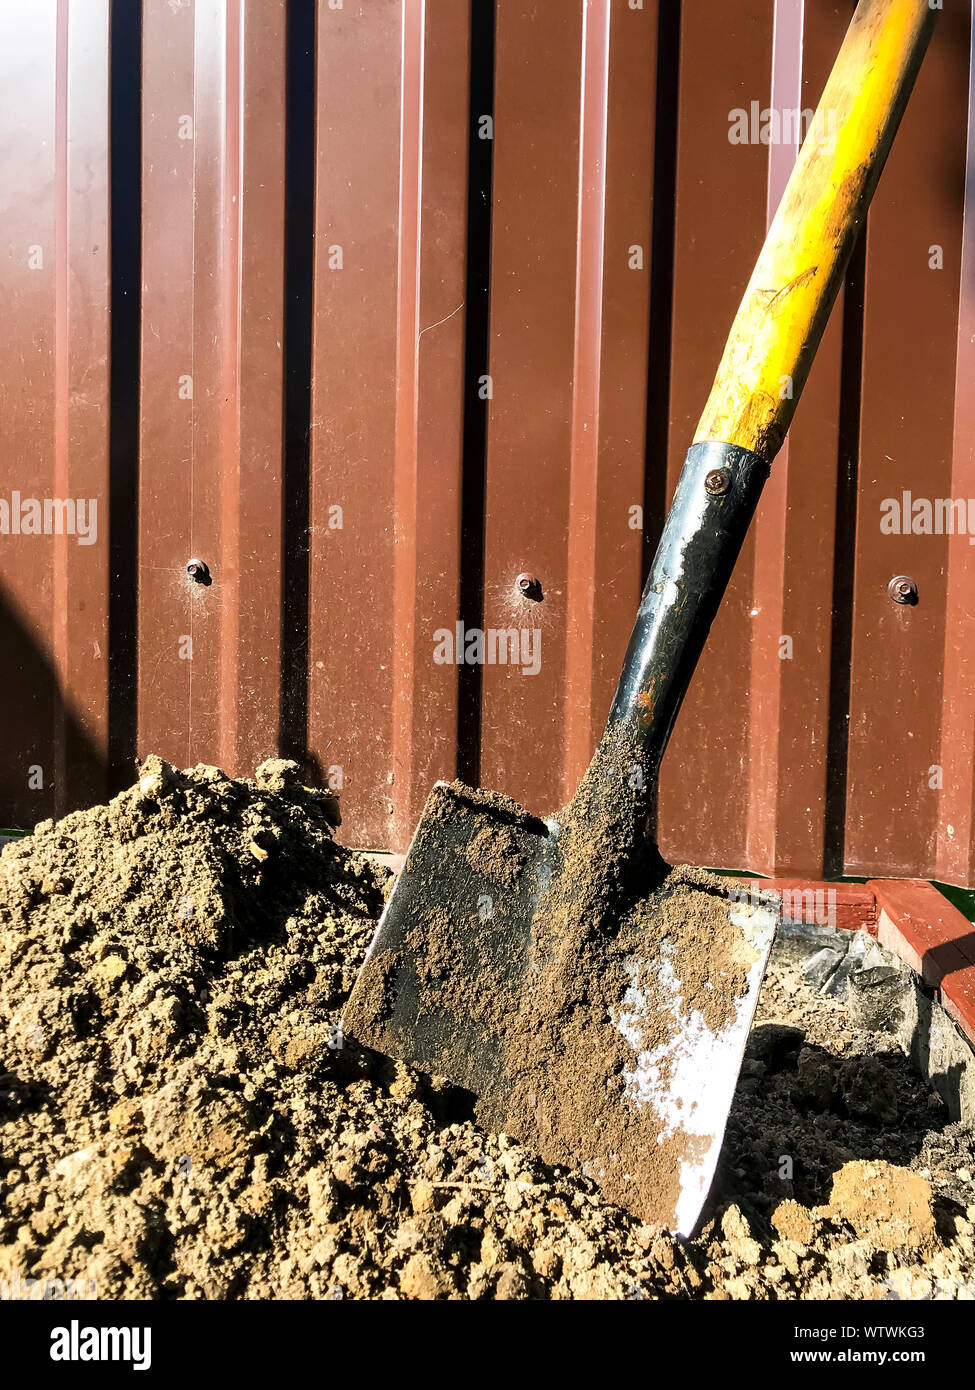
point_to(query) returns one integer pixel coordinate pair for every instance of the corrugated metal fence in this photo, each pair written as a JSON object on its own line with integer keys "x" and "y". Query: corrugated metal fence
{"x": 375, "y": 305}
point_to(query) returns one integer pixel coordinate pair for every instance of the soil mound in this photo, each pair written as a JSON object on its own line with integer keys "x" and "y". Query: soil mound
{"x": 180, "y": 1116}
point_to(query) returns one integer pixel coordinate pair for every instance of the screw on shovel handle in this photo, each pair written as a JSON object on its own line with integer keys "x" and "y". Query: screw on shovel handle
{"x": 761, "y": 375}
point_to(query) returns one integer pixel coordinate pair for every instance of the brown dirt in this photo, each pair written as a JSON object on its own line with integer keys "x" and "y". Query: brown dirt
{"x": 884, "y": 1204}
{"x": 179, "y": 1116}
{"x": 494, "y": 853}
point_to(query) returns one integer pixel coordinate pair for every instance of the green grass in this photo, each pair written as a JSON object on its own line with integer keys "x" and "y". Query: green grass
{"x": 962, "y": 898}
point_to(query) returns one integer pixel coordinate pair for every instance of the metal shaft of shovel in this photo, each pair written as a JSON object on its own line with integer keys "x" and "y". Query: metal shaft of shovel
{"x": 544, "y": 965}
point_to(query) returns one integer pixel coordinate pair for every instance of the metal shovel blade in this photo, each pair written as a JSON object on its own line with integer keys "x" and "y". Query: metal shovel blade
{"x": 592, "y": 1051}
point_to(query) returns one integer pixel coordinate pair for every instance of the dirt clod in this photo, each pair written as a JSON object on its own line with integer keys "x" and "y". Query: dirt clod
{"x": 887, "y": 1205}
{"x": 792, "y": 1221}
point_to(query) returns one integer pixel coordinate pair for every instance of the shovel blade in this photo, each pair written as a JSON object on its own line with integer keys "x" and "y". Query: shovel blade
{"x": 460, "y": 911}
{"x": 633, "y": 1086}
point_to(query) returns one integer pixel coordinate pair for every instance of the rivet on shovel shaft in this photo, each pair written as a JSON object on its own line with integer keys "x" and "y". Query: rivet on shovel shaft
{"x": 718, "y": 481}
{"x": 902, "y": 589}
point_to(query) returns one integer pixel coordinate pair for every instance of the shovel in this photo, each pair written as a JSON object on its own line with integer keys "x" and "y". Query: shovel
{"x": 593, "y": 1002}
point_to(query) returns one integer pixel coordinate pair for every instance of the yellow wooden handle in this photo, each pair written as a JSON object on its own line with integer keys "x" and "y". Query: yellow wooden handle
{"x": 782, "y": 316}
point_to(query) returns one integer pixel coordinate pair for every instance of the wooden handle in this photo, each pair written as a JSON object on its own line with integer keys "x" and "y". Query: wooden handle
{"x": 789, "y": 297}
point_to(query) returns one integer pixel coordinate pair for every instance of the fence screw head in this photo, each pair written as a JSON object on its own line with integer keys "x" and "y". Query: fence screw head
{"x": 529, "y": 586}
{"x": 902, "y": 589}
{"x": 717, "y": 481}
{"x": 198, "y": 571}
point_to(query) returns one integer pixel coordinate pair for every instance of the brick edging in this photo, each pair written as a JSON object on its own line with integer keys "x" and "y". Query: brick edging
{"x": 921, "y": 926}
{"x": 908, "y": 916}
{"x": 849, "y": 905}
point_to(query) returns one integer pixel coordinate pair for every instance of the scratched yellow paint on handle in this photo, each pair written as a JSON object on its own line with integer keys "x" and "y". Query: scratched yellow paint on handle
{"x": 789, "y": 297}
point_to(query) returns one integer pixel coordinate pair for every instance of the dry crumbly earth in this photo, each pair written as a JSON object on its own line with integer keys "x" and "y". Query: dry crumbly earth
{"x": 180, "y": 1116}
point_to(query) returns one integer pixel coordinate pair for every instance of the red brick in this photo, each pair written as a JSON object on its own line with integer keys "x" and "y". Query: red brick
{"x": 958, "y": 998}
{"x": 921, "y": 926}
{"x": 850, "y": 906}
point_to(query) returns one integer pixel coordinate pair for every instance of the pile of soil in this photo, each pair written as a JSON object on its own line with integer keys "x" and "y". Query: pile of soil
{"x": 181, "y": 1117}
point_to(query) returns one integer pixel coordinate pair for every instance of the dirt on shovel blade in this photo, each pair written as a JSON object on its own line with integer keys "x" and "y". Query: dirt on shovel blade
{"x": 180, "y": 1116}
{"x": 594, "y": 1001}
{"x": 604, "y": 1026}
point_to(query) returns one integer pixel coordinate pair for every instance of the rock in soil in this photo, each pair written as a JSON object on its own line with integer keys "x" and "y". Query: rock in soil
{"x": 180, "y": 1116}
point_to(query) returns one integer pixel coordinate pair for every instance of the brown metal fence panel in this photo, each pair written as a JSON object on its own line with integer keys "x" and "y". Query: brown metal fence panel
{"x": 54, "y": 405}
{"x": 720, "y": 221}
{"x": 354, "y": 405}
{"x": 430, "y": 296}
{"x": 211, "y": 435}
{"x": 896, "y": 790}
{"x": 956, "y": 829}
{"x": 387, "y": 403}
